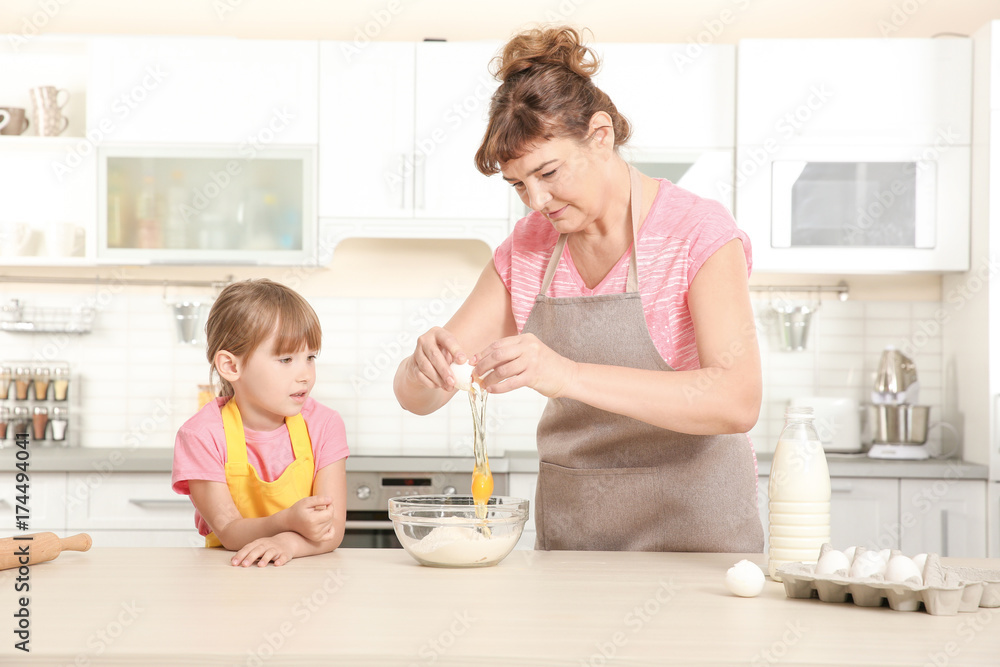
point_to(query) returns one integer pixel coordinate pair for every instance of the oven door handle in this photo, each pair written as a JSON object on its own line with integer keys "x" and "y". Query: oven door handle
{"x": 367, "y": 525}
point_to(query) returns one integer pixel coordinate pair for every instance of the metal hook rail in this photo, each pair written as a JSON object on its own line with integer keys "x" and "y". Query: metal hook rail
{"x": 840, "y": 289}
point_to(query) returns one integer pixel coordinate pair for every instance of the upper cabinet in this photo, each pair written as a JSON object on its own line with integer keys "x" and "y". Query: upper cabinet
{"x": 681, "y": 105}
{"x": 853, "y": 156}
{"x": 203, "y": 90}
{"x": 399, "y": 129}
{"x": 851, "y": 92}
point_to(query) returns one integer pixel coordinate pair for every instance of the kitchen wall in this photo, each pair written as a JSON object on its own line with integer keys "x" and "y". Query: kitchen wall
{"x": 722, "y": 22}
{"x": 135, "y": 384}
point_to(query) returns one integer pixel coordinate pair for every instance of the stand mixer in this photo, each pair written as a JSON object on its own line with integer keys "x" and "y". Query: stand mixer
{"x": 898, "y": 424}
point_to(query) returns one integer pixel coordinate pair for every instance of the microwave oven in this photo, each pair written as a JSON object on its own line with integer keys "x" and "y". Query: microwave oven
{"x": 855, "y": 209}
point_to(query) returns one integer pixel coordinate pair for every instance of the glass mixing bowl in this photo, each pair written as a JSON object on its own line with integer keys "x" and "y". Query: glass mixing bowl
{"x": 443, "y": 531}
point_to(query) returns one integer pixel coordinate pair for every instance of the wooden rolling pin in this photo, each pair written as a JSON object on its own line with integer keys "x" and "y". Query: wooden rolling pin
{"x": 41, "y": 548}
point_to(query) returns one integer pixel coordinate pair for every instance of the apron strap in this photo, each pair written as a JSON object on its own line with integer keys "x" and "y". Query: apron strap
{"x": 297, "y": 431}
{"x": 236, "y": 444}
{"x": 635, "y": 199}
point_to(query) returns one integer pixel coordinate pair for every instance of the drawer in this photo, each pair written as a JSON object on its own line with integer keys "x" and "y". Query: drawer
{"x": 123, "y": 501}
{"x": 46, "y": 502}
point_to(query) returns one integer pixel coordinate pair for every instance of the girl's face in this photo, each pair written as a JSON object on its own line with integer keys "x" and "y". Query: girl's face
{"x": 273, "y": 386}
{"x": 564, "y": 180}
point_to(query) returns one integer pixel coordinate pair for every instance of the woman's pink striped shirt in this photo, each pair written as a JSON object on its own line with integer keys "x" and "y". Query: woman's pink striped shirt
{"x": 681, "y": 231}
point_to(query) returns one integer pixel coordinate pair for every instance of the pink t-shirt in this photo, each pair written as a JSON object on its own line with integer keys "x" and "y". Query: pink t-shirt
{"x": 200, "y": 448}
{"x": 680, "y": 233}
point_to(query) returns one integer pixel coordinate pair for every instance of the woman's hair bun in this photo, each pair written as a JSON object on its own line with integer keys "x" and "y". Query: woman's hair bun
{"x": 546, "y": 47}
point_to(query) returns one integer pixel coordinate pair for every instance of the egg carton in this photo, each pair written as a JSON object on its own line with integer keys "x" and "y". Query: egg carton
{"x": 945, "y": 590}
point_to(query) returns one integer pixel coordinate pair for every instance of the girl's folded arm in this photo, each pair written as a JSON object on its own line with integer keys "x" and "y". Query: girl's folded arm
{"x": 330, "y": 481}
{"x": 215, "y": 504}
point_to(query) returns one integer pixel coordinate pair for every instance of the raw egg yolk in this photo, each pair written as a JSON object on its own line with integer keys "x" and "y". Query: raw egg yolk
{"x": 482, "y": 487}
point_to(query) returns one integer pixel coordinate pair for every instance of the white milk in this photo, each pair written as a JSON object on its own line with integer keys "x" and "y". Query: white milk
{"x": 798, "y": 493}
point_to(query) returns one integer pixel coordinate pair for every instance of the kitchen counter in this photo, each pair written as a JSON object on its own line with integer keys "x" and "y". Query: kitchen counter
{"x": 359, "y": 607}
{"x": 90, "y": 459}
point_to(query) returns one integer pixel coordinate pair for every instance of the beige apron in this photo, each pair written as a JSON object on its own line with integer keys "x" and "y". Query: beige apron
{"x": 607, "y": 482}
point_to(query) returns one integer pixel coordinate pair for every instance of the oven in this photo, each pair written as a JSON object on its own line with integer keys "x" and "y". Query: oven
{"x": 368, "y": 493}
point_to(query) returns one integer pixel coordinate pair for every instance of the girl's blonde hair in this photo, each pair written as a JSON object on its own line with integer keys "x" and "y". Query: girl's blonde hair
{"x": 545, "y": 92}
{"x": 246, "y": 313}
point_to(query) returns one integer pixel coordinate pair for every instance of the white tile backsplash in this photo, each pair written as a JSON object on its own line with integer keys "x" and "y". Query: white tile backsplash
{"x": 138, "y": 384}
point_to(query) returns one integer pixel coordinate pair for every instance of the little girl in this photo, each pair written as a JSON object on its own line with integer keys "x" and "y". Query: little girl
{"x": 264, "y": 463}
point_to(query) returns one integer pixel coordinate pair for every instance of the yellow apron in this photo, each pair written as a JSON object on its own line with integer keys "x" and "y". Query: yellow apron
{"x": 254, "y": 497}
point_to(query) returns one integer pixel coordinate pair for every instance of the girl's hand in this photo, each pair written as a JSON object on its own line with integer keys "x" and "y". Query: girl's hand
{"x": 431, "y": 363}
{"x": 524, "y": 361}
{"x": 312, "y": 518}
{"x": 264, "y": 550}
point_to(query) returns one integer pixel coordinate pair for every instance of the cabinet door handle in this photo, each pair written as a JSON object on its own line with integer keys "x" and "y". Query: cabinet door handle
{"x": 4, "y": 501}
{"x": 159, "y": 502}
{"x": 944, "y": 533}
{"x": 402, "y": 180}
{"x": 367, "y": 525}
{"x": 841, "y": 487}
{"x": 419, "y": 173}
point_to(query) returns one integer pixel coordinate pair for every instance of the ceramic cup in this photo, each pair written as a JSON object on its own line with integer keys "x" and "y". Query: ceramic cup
{"x": 65, "y": 240}
{"x": 13, "y": 121}
{"x": 47, "y": 114}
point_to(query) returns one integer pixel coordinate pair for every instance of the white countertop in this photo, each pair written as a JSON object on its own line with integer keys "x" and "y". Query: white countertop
{"x": 358, "y": 607}
{"x": 89, "y": 459}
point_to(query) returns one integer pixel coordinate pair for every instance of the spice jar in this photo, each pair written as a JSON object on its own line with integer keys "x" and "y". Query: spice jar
{"x": 22, "y": 380}
{"x": 39, "y": 421}
{"x": 21, "y": 418}
{"x": 60, "y": 383}
{"x": 42, "y": 376}
{"x": 6, "y": 375}
{"x": 59, "y": 421}
{"x": 4, "y": 420}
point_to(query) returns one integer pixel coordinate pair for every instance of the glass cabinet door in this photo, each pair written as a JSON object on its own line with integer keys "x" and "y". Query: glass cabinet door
{"x": 207, "y": 205}
{"x": 853, "y": 204}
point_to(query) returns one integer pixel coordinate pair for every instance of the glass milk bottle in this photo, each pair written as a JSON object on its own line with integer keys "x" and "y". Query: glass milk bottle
{"x": 798, "y": 488}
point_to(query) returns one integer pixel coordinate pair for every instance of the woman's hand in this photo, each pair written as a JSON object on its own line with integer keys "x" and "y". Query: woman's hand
{"x": 431, "y": 363}
{"x": 524, "y": 361}
{"x": 277, "y": 549}
{"x": 312, "y": 518}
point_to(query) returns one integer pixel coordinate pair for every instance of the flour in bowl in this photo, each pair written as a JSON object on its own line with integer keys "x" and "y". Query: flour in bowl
{"x": 460, "y": 545}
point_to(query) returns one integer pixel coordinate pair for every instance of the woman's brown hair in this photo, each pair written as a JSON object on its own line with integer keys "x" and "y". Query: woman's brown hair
{"x": 246, "y": 313}
{"x": 545, "y": 92}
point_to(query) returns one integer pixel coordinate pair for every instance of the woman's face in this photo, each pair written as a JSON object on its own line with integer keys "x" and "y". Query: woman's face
{"x": 564, "y": 179}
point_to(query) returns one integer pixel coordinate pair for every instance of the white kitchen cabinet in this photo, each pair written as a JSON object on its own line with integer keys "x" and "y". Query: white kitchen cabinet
{"x": 853, "y": 155}
{"x": 400, "y": 124}
{"x": 522, "y": 485}
{"x": 46, "y": 502}
{"x": 147, "y": 538}
{"x": 129, "y": 509}
{"x": 215, "y": 90}
{"x": 49, "y": 207}
{"x": 864, "y": 512}
{"x": 944, "y": 516}
{"x": 681, "y": 105}
{"x": 993, "y": 515}
{"x": 199, "y": 204}
{"x": 49, "y": 211}
{"x": 854, "y": 92}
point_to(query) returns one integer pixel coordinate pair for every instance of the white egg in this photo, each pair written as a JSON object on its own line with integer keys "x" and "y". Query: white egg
{"x": 901, "y": 568}
{"x": 745, "y": 579}
{"x": 885, "y": 554}
{"x": 463, "y": 376}
{"x": 832, "y": 561}
{"x": 920, "y": 560}
{"x": 867, "y": 564}
{"x": 849, "y": 552}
